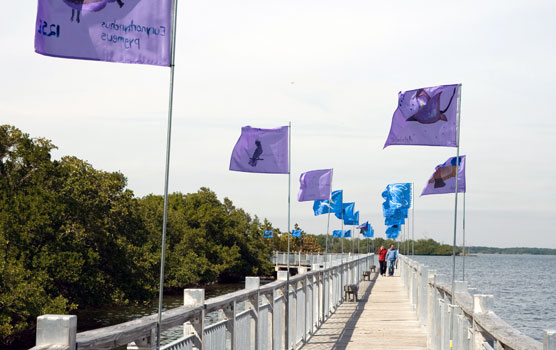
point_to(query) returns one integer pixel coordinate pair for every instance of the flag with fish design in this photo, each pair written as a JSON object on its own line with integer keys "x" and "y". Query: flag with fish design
{"x": 426, "y": 117}
{"x": 126, "y": 31}
{"x": 261, "y": 151}
{"x": 443, "y": 180}
{"x": 315, "y": 185}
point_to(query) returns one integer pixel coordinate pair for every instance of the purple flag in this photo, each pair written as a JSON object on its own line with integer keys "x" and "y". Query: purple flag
{"x": 426, "y": 117}
{"x": 127, "y": 31}
{"x": 444, "y": 178}
{"x": 315, "y": 185}
{"x": 261, "y": 151}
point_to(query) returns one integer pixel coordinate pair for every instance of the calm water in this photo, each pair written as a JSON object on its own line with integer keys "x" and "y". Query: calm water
{"x": 524, "y": 286}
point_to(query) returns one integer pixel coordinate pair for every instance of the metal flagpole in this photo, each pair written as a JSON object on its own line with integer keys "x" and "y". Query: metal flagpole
{"x": 463, "y": 265}
{"x": 342, "y": 235}
{"x": 405, "y": 231}
{"x": 287, "y": 320}
{"x": 455, "y": 222}
{"x": 329, "y": 208}
{"x": 353, "y": 240}
{"x": 413, "y": 219}
{"x": 167, "y": 170}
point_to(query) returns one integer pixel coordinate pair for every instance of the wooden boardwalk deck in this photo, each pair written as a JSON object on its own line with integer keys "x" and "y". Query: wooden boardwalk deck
{"x": 383, "y": 319}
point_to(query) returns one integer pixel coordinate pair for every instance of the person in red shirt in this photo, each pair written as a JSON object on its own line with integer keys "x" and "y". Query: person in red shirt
{"x": 382, "y": 260}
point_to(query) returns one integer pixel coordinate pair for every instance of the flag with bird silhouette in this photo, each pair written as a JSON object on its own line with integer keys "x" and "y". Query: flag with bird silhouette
{"x": 261, "y": 151}
{"x": 426, "y": 117}
{"x": 126, "y": 31}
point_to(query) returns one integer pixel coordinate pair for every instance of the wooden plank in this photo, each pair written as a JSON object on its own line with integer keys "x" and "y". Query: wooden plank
{"x": 383, "y": 319}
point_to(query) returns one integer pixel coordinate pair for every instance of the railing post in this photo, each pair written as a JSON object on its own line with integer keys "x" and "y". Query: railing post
{"x": 424, "y": 294}
{"x": 306, "y": 306}
{"x": 481, "y": 304}
{"x": 292, "y": 323}
{"x": 230, "y": 312}
{"x": 314, "y": 296}
{"x": 549, "y": 340}
{"x": 56, "y": 330}
{"x": 254, "y": 283}
{"x": 281, "y": 323}
{"x": 195, "y": 298}
{"x": 431, "y": 305}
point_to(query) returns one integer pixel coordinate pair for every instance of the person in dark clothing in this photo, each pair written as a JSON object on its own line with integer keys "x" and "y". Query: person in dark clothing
{"x": 382, "y": 260}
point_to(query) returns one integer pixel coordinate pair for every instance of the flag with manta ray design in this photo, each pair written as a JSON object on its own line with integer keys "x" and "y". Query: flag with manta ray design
{"x": 126, "y": 31}
{"x": 426, "y": 117}
{"x": 261, "y": 151}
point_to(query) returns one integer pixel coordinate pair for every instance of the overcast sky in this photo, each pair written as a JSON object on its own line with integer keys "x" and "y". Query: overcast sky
{"x": 334, "y": 69}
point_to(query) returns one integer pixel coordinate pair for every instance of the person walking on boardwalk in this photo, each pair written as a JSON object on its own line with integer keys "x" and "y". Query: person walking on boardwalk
{"x": 391, "y": 256}
{"x": 382, "y": 260}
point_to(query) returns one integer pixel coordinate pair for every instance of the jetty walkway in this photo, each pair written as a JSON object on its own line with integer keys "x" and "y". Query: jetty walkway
{"x": 413, "y": 310}
{"x": 382, "y": 319}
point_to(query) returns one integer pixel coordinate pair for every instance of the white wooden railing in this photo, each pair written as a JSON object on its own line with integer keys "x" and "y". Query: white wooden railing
{"x": 253, "y": 318}
{"x": 475, "y": 325}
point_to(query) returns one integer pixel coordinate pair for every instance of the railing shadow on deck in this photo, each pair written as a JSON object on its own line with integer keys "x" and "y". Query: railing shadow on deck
{"x": 347, "y": 332}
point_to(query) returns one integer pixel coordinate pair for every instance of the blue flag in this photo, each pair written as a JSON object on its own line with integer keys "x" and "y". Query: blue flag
{"x": 346, "y": 233}
{"x": 337, "y": 233}
{"x": 347, "y": 211}
{"x": 370, "y": 233}
{"x": 398, "y": 195}
{"x": 336, "y": 201}
{"x": 296, "y": 233}
{"x": 392, "y": 232}
{"x": 353, "y": 220}
{"x": 324, "y": 206}
{"x": 268, "y": 234}
{"x": 366, "y": 229}
{"x": 321, "y": 207}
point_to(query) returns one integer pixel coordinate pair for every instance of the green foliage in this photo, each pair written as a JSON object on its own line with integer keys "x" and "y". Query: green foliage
{"x": 72, "y": 236}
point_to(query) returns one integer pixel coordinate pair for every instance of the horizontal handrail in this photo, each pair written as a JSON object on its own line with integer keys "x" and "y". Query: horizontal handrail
{"x": 124, "y": 333}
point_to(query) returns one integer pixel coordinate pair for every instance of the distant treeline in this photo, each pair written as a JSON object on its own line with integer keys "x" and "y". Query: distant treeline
{"x": 421, "y": 246}
{"x": 517, "y": 250}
